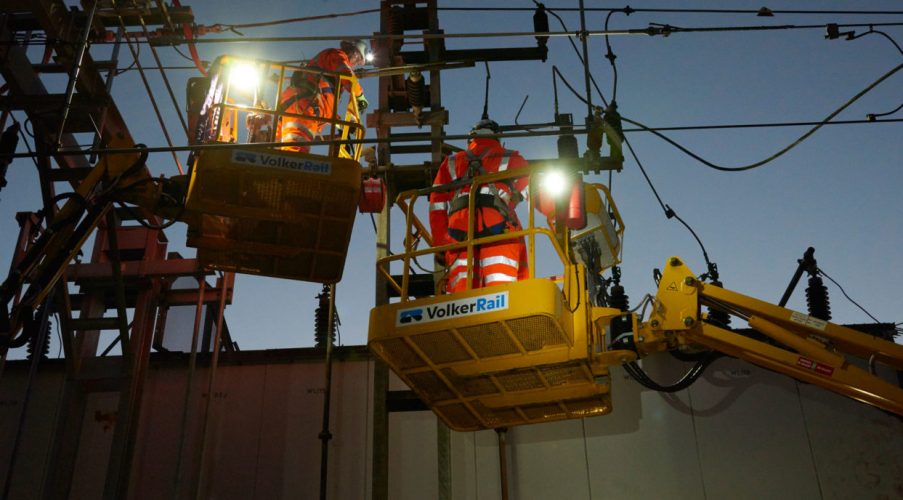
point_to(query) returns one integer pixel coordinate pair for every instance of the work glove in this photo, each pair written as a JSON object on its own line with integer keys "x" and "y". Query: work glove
{"x": 362, "y": 102}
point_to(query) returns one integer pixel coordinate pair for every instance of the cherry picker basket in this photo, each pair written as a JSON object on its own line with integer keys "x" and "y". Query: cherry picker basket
{"x": 272, "y": 211}
{"x": 504, "y": 355}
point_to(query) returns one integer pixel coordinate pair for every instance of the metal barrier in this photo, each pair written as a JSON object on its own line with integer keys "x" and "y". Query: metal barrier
{"x": 249, "y": 90}
{"x": 610, "y": 229}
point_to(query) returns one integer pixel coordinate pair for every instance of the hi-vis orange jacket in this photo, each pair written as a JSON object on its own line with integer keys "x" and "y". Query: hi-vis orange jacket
{"x": 494, "y": 203}
{"x": 310, "y": 95}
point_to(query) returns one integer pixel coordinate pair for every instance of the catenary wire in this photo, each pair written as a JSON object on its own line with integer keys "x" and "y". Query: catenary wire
{"x": 885, "y": 35}
{"x": 579, "y": 57}
{"x": 150, "y": 94}
{"x": 562, "y": 9}
{"x": 550, "y": 133}
{"x": 610, "y": 55}
{"x": 679, "y": 11}
{"x": 669, "y": 212}
{"x": 652, "y": 30}
{"x": 298, "y": 19}
{"x": 780, "y": 152}
{"x": 172, "y": 95}
{"x": 184, "y": 56}
{"x": 872, "y": 116}
{"x": 823, "y": 273}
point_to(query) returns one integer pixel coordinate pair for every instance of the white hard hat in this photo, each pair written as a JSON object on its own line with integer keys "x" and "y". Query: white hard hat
{"x": 485, "y": 127}
{"x": 357, "y": 44}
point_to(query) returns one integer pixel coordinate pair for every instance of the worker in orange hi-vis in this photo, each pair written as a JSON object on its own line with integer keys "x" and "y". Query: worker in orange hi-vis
{"x": 495, "y": 263}
{"x": 314, "y": 96}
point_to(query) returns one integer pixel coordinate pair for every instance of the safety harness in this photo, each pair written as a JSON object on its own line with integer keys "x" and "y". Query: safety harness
{"x": 488, "y": 196}
{"x": 308, "y": 90}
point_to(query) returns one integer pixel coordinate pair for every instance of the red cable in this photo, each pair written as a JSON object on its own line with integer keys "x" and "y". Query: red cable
{"x": 186, "y": 28}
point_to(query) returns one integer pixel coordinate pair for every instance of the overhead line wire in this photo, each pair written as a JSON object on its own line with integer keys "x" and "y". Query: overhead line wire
{"x": 669, "y": 212}
{"x": 551, "y": 133}
{"x": 563, "y": 9}
{"x": 885, "y": 35}
{"x": 579, "y": 57}
{"x": 782, "y": 151}
{"x": 679, "y": 11}
{"x": 823, "y": 273}
{"x": 298, "y": 19}
{"x": 651, "y": 30}
{"x": 153, "y": 100}
{"x": 172, "y": 95}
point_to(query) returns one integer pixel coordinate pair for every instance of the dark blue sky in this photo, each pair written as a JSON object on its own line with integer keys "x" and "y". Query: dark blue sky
{"x": 837, "y": 191}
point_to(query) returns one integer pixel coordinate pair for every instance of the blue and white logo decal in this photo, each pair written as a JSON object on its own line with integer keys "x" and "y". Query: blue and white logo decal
{"x": 244, "y": 157}
{"x": 279, "y": 161}
{"x": 452, "y": 309}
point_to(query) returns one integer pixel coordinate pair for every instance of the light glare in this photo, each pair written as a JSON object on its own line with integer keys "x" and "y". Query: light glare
{"x": 554, "y": 183}
{"x": 244, "y": 77}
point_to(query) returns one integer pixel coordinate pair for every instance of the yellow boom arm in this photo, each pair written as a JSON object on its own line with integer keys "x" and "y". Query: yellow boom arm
{"x": 796, "y": 344}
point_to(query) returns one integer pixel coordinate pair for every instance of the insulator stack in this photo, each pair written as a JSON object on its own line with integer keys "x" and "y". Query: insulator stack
{"x": 9, "y": 140}
{"x": 567, "y": 142}
{"x": 618, "y": 299}
{"x": 35, "y": 338}
{"x": 567, "y": 147}
{"x": 396, "y": 27}
{"x": 415, "y": 87}
{"x": 718, "y": 317}
{"x": 541, "y": 25}
{"x": 817, "y": 299}
{"x": 321, "y": 320}
{"x": 594, "y": 134}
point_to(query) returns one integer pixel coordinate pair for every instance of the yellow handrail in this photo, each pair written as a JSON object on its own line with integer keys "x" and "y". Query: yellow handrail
{"x": 229, "y": 103}
{"x": 406, "y": 201}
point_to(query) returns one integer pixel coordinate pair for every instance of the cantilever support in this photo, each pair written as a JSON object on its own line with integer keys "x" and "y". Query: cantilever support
{"x": 804, "y": 347}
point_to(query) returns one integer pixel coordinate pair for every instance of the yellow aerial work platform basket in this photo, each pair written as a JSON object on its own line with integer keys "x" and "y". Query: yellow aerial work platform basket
{"x": 495, "y": 357}
{"x": 526, "y": 352}
{"x": 266, "y": 210}
{"x": 274, "y": 213}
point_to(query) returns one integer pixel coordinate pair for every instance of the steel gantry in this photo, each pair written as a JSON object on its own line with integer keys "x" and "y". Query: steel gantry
{"x": 127, "y": 286}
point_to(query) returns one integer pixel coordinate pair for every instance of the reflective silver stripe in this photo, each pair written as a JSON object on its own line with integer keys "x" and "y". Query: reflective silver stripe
{"x": 504, "y": 164}
{"x": 439, "y": 205}
{"x": 297, "y": 126}
{"x": 452, "y": 171}
{"x": 498, "y": 259}
{"x": 458, "y": 263}
{"x": 294, "y": 137}
{"x": 495, "y": 277}
{"x": 459, "y": 277}
{"x": 504, "y": 195}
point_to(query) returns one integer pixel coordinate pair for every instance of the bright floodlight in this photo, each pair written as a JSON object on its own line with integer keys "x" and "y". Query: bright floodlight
{"x": 554, "y": 183}
{"x": 369, "y": 57}
{"x": 244, "y": 77}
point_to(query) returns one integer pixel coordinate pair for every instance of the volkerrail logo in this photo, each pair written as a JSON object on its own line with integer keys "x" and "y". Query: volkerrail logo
{"x": 279, "y": 161}
{"x": 453, "y": 309}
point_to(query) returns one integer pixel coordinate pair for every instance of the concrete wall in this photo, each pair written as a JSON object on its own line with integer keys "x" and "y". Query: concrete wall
{"x": 739, "y": 432}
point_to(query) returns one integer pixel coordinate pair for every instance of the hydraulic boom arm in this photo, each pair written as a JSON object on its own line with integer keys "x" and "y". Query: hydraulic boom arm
{"x": 793, "y": 343}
